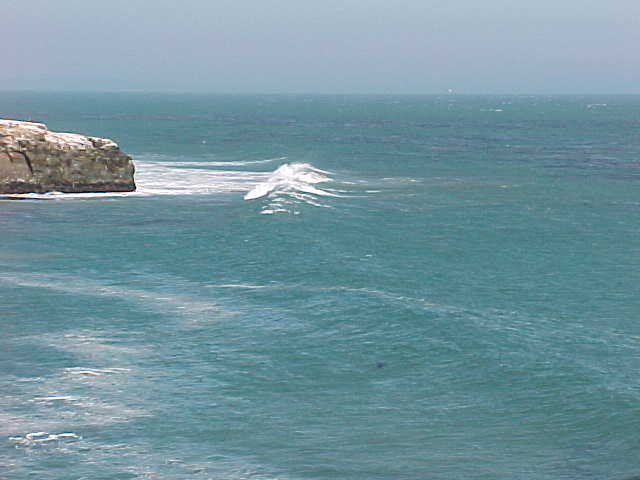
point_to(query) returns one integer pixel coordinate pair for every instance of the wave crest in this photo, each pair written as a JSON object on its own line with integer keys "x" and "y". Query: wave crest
{"x": 292, "y": 183}
{"x": 289, "y": 178}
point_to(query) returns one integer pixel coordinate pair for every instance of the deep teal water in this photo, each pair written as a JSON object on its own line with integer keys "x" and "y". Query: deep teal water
{"x": 422, "y": 288}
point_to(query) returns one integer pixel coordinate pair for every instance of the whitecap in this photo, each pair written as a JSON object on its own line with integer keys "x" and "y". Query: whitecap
{"x": 65, "y": 398}
{"x": 293, "y": 184}
{"x": 35, "y": 438}
{"x": 292, "y": 178}
{"x": 94, "y": 372}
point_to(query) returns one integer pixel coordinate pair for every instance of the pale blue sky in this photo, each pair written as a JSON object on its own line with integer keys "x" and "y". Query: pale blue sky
{"x": 328, "y": 46}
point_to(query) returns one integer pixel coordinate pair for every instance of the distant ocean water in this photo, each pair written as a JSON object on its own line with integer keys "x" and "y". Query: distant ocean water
{"x": 329, "y": 287}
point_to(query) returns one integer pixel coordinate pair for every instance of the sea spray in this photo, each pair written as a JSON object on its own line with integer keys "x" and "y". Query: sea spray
{"x": 290, "y": 184}
{"x": 291, "y": 178}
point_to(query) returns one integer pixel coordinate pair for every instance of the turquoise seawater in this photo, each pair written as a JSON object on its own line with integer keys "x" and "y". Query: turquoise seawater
{"x": 328, "y": 287}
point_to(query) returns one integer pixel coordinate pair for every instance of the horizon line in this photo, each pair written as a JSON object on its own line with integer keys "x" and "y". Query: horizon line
{"x": 448, "y": 92}
{"x": 284, "y": 93}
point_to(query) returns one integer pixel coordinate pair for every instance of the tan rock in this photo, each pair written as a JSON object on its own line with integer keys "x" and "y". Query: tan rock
{"x": 35, "y": 160}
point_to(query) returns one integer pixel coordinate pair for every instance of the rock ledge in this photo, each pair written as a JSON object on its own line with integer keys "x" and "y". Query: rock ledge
{"x": 35, "y": 160}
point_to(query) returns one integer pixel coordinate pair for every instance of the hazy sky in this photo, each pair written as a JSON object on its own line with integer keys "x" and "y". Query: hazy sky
{"x": 346, "y": 46}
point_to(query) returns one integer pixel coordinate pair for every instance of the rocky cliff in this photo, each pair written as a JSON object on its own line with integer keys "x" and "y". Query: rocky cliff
{"x": 35, "y": 160}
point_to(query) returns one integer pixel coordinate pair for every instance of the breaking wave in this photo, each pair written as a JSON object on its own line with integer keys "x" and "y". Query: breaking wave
{"x": 281, "y": 190}
{"x": 291, "y": 184}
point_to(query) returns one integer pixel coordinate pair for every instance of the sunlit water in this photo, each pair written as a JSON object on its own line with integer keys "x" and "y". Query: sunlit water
{"x": 316, "y": 287}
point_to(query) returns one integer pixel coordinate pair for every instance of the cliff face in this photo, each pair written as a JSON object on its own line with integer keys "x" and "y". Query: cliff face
{"x": 35, "y": 160}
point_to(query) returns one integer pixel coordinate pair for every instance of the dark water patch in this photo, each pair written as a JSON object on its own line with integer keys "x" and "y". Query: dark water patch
{"x": 30, "y": 359}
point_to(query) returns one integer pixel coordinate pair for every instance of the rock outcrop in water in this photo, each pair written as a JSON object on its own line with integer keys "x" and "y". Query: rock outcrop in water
{"x": 35, "y": 160}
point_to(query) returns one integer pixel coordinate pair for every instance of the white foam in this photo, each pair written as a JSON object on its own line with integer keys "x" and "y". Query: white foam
{"x": 65, "y": 398}
{"x": 94, "y": 401}
{"x": 65, "y": 196}
{"x": 160, "y": 175}
{"x": 291, "y": 178}
{"x": 35, "y": 438}
{"x": 154, "y": 177}
{"x": 204, "y": 163}
{"x": 95, "y": 372}
{"x": 291, "y": 184}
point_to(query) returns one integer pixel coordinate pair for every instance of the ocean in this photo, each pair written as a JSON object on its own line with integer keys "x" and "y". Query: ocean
{"x": 328, "y": 287}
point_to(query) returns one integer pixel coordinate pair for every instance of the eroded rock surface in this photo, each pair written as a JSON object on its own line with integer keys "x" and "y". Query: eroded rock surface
{"x": 35, "y": 160}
